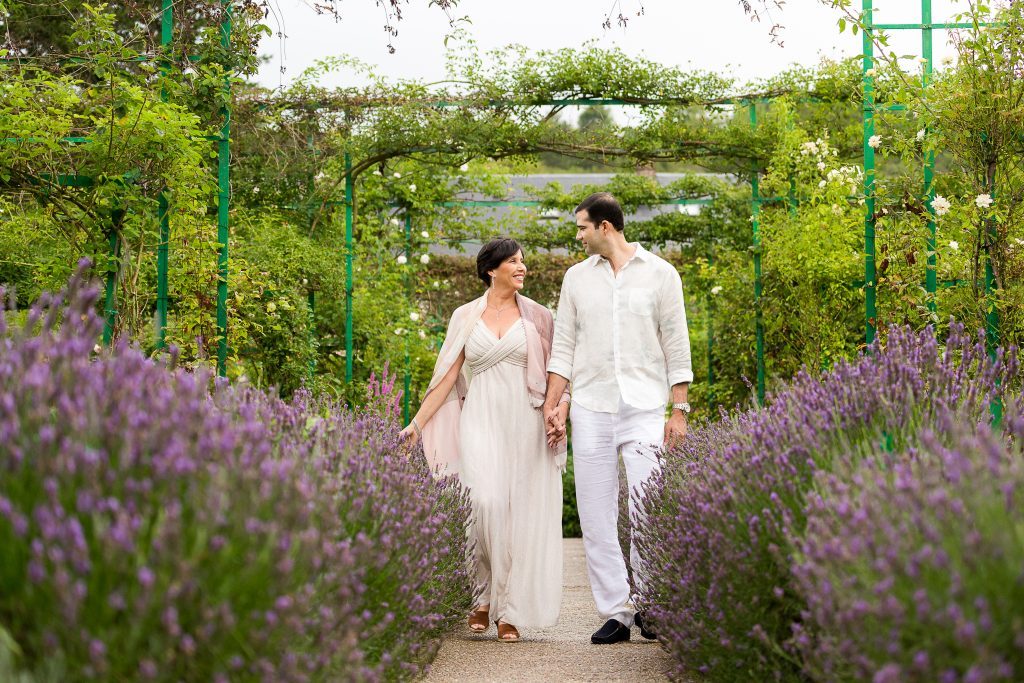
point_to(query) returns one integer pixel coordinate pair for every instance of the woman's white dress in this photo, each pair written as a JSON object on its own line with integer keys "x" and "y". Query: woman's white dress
{"x": 514, "y": 484}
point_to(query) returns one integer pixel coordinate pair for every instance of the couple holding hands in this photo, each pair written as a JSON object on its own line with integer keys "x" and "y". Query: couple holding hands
{"x": 496, "y": 408}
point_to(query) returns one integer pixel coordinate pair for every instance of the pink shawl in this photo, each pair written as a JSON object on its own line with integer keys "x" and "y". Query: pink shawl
{"x": 441, "y": 433}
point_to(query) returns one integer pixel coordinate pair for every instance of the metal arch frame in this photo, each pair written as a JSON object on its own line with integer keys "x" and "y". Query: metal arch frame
{"x": 926, "y": 26}
{"x": 163, "y": 207}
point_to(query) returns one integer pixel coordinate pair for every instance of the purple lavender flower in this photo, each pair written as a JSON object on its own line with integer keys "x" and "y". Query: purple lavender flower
{"x": 729, "y": 514}
{"x": 147, "y": 506}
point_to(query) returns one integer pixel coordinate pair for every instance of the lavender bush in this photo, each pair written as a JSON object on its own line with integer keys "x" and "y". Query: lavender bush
{"x": 730, "y": 504}
{"x": 153, "y": 529}
{"x": 912, "y": 566}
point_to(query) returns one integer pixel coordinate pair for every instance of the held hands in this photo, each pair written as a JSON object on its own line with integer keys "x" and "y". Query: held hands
{"x": 675, "y": 429}
{"x": 554, "y": 423}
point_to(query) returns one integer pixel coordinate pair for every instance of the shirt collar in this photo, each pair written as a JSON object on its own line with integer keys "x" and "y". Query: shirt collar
{"x": 639, "y": 253}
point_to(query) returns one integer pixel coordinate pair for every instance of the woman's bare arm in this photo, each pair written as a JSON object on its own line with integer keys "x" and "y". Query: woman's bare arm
{"x": 435, "y": 399}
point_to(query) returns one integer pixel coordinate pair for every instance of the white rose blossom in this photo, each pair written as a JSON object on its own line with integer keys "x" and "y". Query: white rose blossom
{"x": 423, "y": 334}
{"x": 871, "y": 73}
{"x": 397, "y": 174}
{"x": 395, "y": 222}
{"x": 875, "y": 141}
{"x": 464, "y": 168}
{"x": 425, "y": 235}
{"x": 412, "y": 187}
{"x": 954, "y": 245}
{"x": 716, "y": 289}
{"x": 425, "y": 259}
{"x": 940, "y": 205}
{"x": 920, "y": 135}
{"x": 401, "y": 260}
{"x": 414, "y": 316}
{"x": 983, "y": 201}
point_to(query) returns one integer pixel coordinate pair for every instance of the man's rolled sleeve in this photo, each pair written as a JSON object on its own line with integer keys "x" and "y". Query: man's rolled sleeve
{"x": 673, "y": 332}
{"x": 563, "y": 345}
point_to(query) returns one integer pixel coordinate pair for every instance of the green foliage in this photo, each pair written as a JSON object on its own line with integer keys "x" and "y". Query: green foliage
{"x": 421, "y": 151}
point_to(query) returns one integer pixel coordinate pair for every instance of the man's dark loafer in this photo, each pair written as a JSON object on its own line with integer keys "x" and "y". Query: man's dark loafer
{"x": 613, "y": 631}
{"x": 644, "y": 630}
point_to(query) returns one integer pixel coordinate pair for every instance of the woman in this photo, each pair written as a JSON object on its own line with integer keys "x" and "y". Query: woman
{"x": 482, "y": 420}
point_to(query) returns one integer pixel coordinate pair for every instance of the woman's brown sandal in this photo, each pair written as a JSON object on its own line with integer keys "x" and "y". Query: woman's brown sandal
{"x": 507, "y": 632}
{"x": 478, "y": 620}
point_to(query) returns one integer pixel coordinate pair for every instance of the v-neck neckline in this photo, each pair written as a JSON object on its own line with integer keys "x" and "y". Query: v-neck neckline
{"x": 481, "y": 322}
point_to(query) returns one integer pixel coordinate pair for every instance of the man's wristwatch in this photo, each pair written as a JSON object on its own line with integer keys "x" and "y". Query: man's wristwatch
{"x": 684, "y": 406}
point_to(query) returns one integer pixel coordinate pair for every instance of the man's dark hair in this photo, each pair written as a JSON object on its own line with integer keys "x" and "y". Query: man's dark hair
{"x": 601, "y": 206}
{"x": 493, "y": 254}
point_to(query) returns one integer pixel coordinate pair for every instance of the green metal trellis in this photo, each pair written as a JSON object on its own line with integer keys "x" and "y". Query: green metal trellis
{"x": 163, "y": 206}
{"x": 926, "y": 26}
{"x": 869, "y": 107}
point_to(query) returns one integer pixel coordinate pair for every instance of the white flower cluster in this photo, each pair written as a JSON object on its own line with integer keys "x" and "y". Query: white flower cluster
{"x": 940, "y": 205}
{"x": 875, "y": 141}
{"x": 819, "y": 149}
{"x": 850, "y": 176}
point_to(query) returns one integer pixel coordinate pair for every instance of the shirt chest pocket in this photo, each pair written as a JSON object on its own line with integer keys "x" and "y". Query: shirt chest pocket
{"x": 641, "y": 301}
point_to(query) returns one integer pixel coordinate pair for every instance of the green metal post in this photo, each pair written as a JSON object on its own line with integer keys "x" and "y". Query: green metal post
{"x": 710, "y": 307}
{"x": 311, "y": 304}
{"x": 223, "y": 206}
{"x": 163, "y": 206}
{"x": 348, "y": 267}
{"x": 113, "y": 267}
{"x": 870, "y": 312}
{"x": 991, "y": 307}
{"x": 931, "y": 284}
{"x": 408, "y": 289}
{"x": 756, "y": 228}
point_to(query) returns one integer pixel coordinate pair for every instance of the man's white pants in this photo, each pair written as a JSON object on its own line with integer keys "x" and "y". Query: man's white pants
{"x": 597, "y": 441}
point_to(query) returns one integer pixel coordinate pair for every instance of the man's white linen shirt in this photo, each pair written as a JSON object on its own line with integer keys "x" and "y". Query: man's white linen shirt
{"x": 622, "y": 336}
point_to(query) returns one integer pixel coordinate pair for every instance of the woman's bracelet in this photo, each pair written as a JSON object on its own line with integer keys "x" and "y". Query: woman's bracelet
{"x": 416, "y": 426}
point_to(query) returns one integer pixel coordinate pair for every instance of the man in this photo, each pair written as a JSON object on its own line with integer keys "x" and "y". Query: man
{"x": 621, "y": 339}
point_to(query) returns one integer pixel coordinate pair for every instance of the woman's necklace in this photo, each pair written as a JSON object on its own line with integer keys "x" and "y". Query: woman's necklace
{"x": 498, "y": 311}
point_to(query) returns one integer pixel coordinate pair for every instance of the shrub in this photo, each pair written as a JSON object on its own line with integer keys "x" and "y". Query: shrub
{"x": 725, "y": 511}
{"x": 154, "y": 529}
{"x": 913, "y": 572}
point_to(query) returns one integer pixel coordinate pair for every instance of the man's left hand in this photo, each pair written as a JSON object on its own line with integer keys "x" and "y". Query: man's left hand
{"x": 675, "y": 429}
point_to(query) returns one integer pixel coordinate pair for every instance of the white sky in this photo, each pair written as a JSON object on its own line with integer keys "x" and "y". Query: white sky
{"x": 704, "y": 34}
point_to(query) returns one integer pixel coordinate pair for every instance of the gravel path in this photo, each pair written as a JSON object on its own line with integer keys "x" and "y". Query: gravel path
{"x": 563, "y": 653}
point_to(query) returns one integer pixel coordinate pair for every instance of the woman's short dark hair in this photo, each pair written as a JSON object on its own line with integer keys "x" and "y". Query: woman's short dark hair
{"x": 602, "y": 206}
{"x": 493, "y": 254}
